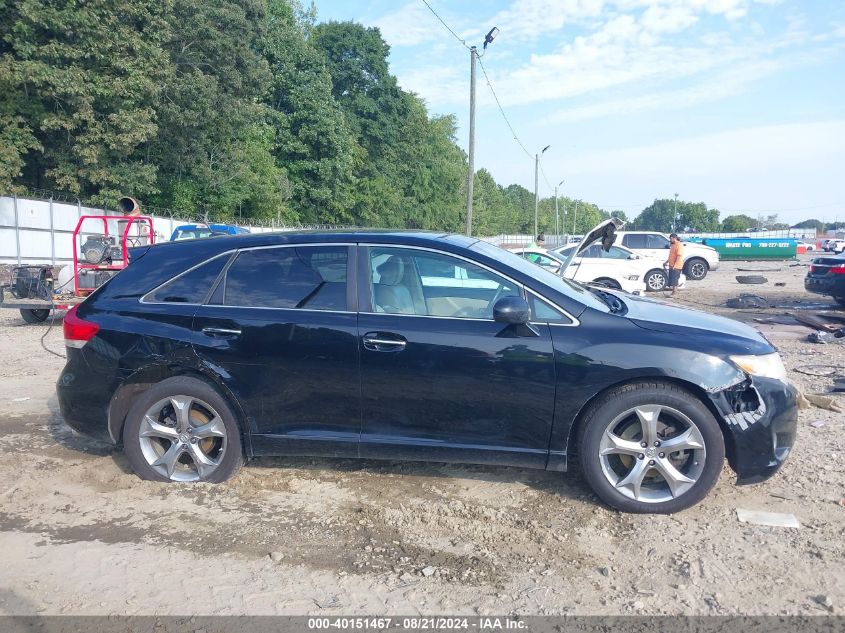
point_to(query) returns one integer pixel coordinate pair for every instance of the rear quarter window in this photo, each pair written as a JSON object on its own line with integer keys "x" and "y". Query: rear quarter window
{"x": 191, "y": 286}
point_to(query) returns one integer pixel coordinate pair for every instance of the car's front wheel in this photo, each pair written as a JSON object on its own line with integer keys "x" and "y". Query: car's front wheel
{"x": 696, "y": 269}
{"x": 182, "y": 429}
{"x": 650, "y": 448}
{"x": 655, "y": 280}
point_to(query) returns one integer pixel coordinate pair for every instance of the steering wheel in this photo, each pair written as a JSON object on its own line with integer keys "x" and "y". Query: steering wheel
{"x": 486, "y": 311}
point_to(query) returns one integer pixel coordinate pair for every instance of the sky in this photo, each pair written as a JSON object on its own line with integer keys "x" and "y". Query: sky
{"x": 736, "y": 103}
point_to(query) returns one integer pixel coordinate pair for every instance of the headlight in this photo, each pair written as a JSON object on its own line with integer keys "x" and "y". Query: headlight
{"x": 765, "y": 365}
{"x": 632, "y": 277}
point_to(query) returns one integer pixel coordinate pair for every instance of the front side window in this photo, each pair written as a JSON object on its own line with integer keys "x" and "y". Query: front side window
{"x": 423, "y": 283}
{"x": 192, "y": 286}
{"x": 303, "y": 277}
{"x": 655, "y": 240}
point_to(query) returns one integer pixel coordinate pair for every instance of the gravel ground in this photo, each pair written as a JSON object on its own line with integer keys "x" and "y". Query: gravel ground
{"x": 80, "y": 534}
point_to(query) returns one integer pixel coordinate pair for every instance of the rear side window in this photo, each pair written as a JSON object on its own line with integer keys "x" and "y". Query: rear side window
{"x": 635, "y": 240}
{"x": 192, "y": 286}
{"x": 304, "y": 277}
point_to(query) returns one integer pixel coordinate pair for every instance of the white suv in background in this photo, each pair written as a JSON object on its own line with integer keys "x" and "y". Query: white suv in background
{"x": 698, "y": 258}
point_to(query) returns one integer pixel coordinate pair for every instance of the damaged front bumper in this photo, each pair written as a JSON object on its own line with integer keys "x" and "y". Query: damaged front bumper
{"x": 761, "y": 416}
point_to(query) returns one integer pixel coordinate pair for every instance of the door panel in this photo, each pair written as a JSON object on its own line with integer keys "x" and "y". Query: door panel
{"x": 447, "y": 383}
{"x": 295, "y": 370}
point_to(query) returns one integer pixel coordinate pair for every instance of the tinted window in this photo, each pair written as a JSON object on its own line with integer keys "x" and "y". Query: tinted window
{"x": 635, "y": 240}
{"x": 308, "y": 277}
{"x": 423, "y": 283}
{"x": 598, "y": 252}
{"x": 191, "y": 287}
{"x": 657, "y": 241}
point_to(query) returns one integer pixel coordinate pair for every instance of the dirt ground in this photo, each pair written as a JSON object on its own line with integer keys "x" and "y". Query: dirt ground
{"x": 80, "y": 534}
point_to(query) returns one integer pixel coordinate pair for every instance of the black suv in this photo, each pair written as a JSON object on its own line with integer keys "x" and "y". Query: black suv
{"x": 411, "y": 345}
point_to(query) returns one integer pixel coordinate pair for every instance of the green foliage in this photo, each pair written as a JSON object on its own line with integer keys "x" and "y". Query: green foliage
{"x": 738, "y": 223}
{"x": 818, "y": 225}
{"x": 247, "y": 109}
{"x": 692, "y": 216}
{"x": 78, "y": 88}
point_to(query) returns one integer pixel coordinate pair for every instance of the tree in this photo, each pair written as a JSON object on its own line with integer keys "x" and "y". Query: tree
{"x": 314, "y": 145}
{"x": 216, "y": 139}
{"x": 660, "y": 216}
{"x": 818, "y": 225}
{"x": 78, "y": 88}
{"x": 738, "y": 223}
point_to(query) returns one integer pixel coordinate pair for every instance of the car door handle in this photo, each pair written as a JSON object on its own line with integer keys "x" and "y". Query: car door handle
{"x": 380, "y": 343}
{"x": 220, "y": 331}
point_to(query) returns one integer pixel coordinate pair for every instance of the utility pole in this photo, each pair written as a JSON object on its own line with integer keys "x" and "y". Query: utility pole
{"x": 473, "y": 55}
{"x": 557, "y": 214}
{"x": 537, "y": 188}
{"x": 473, "y": 58}
{"x": 675, "y": 215}
{"x": 575, "y": 219}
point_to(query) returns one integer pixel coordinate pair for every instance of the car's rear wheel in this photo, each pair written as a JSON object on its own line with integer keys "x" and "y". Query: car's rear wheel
{"x": 182, "y": 430}
{"x": 650, "y": 448}
{"x": 696, "y": 269}
{"x": 655, "y": 280}
{"x": 35, "y": 316}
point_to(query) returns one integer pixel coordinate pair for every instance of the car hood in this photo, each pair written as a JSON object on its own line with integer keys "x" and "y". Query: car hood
{"x": 653, "y": 314}
{"x": 604, "y": 231}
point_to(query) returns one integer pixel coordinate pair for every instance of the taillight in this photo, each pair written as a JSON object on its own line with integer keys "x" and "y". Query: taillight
{"x": 78, "y": 331}
{"x": 812, "y": 268}
{"x": 838, "y": 270}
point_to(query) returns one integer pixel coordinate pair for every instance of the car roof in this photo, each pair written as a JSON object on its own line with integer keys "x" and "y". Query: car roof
{"x": 375, "y": 236}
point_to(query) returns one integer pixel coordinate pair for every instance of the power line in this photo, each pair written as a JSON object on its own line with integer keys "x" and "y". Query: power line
{"x": 504, "y": 116}
{"x": 543, "y": 172}
{"x": 448, "y": 28}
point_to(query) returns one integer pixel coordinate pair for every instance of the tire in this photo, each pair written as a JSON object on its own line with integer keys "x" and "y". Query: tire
{"x": 606, "y": 468}
{"x": 655, "y": 280}
{"x": 171, "y": 449}
{"x": 35, "y": 316}
{"x": 610, "y": 283}
{"x": 696, "y": 269}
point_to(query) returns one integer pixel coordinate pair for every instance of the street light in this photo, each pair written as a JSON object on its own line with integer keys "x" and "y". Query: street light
{"x": 675, "y": 215}
{"x": 536, "y": 188}
{"x": 473, "y": 56}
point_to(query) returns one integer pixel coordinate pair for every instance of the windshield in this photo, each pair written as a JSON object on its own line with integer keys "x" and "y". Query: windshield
{"x": 191, "y": 234}
{"x": 571, "y": 289}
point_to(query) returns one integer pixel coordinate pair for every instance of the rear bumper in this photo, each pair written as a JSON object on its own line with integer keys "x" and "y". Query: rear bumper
{"x": 761, "y": 440}
{"x": 830, "y": 286}
{"x": 84, "y": 396}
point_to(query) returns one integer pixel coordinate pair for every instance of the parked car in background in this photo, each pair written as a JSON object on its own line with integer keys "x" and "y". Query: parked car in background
{"x": 698, "y": 258}
{"x": 826, "y": 276}
{"x": 414, "y": 345}
{"x": 201, "y": 231}
{"x": 542, "y": 257}
{"x": 836, "y": 246}
{"x": 621, "y": 261}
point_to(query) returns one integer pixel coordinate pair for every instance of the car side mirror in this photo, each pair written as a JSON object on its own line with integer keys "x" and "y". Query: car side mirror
{"x": 512, "y": 310}
{"x": 632, "y": 256}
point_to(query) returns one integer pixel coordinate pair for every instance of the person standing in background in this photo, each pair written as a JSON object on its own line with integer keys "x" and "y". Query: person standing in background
{"x": 675, "y": 263}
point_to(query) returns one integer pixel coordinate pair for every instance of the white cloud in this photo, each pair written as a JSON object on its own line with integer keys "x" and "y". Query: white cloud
{"x": 410, "y": 25}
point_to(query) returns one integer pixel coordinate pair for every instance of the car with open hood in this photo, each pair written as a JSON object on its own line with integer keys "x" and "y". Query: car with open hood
{"x": 203, "y": 354}
{"x": 699, "y": 259}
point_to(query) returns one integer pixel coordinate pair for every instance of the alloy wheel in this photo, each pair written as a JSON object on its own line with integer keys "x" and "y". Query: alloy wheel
{"x": 698, "y": 270}
{"x": 655, "y": 281}
{"x": 652, "y": 453}
{"x": 182, "y": 438}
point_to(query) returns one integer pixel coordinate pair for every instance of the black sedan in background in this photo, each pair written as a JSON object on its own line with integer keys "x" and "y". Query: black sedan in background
{"x": 422, "y": 346}
{"x": 826, "y": 276}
